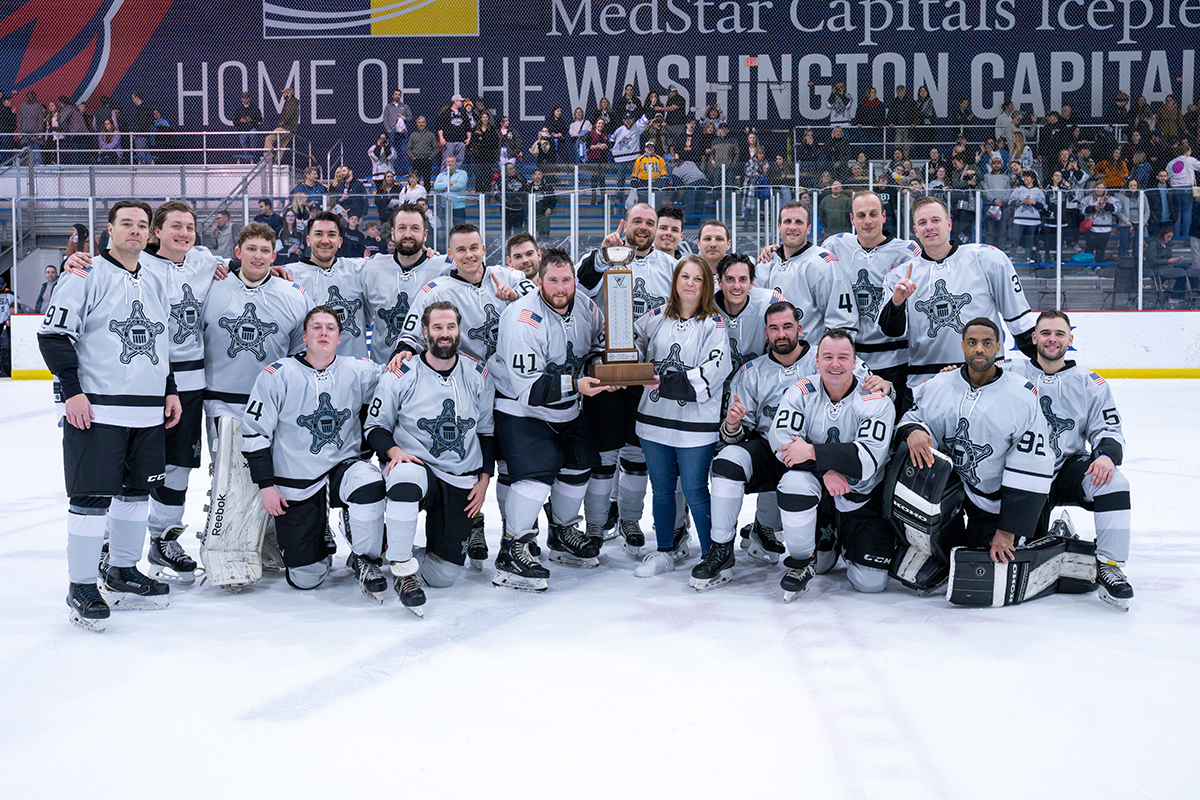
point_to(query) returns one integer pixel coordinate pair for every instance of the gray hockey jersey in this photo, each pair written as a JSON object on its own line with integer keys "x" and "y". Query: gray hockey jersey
{"x": 478, "y": 305}
{"x": 1081, "y": 415}
{"x": 437, "y": 418}
{"x": 865, "y": 271}
{"x": 244, "y": 330}
{"x": 748, "y": 330}
{"x": 974, "y": 281}
{"x": 651, "y": 279}
{"x": 117, "y": 322}
{"x": 851, "y": 436}
{"x": 302, "y": 422}
{"x": 997, "y": 438}
{"x": 813, "y": 281}
{"x": 542, "y": 354}
{"x": 691, "y": 359}
{"x": 188, "y": 284}
{"x": 390, "y": 290}
{"x": 341, "y": 288}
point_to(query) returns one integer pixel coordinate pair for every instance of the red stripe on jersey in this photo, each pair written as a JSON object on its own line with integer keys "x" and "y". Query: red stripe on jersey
{"x": 79, "y": 272}
{"x": 1100, "y": 381}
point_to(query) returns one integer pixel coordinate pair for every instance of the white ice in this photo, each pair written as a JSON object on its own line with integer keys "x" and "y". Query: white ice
{"x": 607, "y": 685}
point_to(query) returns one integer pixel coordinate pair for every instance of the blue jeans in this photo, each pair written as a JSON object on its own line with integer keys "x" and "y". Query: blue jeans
{"x": 690, "y": 466}
{"x": 1184, "y": 223}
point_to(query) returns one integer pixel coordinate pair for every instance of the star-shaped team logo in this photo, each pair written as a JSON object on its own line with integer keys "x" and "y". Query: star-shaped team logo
{"x": 965, "y": 453}
{"x": 1058, "y": 425}
{"x": 186, "y": 316}
{"x": 137, "y": 335}
{"x": 672, "y": 363}
{"x": 347, "y": 310}
{"x": 247, "y": 332}
{"x": 394, "y": 318}
{"x": 572, "y": 364}
{"x": 943, "y": 309}
{"x": 643, "y": 301}
{"x": 325, "y": 423}
{"x": 448, "y": 431}
{"x": 737, "y": 356}
{"x": 867, "y": 296}
{"x": 489, "y": 331}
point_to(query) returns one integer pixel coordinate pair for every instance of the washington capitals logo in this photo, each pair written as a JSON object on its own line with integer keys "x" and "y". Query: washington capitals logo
{"x": 488, "y": 332}
{"x": 325, "y": 424}
{"x": 394, "y": 318}
{"x": 248, "y": 333}
{"x": 347, "y": 310}
{"x": 643, "y": 301}
{"x": 448, "y": 431}
{"x": 672, "y": 363}
{"x": 943, "y": 309}
{"x": 137, "y": 335}
{"x": 1058, "y": 425}
{"x": 867, "y": 296}
{"x": 965, "y": 453}
{"x": 186, "y": 316}
{"x": 573, "y": 364}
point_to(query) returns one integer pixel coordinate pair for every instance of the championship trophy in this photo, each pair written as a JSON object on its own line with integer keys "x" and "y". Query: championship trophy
{"x": 621, "y": 366}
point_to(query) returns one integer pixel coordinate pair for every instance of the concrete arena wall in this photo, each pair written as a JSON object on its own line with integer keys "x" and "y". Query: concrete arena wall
{"x": 1116, "y": 344}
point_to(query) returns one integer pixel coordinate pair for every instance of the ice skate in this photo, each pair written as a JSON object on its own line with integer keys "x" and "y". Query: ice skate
{"x": 126, "y": 589}
{"x": 88, "y": 609}
{"x": 370, "y": 577}
{"x": 656, "y": 563}
{"x": 715, "y": 569}
{"x": 679, "y": 544}
{"x": 517, "y": 568}
{"x": 611, "y": 531}
{"x": 330, "y": 541}
{"x": 404, "y": 581}
{"x": 633, "y": 538}
{"x": 800, "y": 573}
{"x": 477, "y": 549}
{"x": 1063, "y": 527}
{"x": 760, "y": 543}
{"x": 568, "y": 546}
{"x": 1114, "y": 588}
{"x": 168, "y": 561}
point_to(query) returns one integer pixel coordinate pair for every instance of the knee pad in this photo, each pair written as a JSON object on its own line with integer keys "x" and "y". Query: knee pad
{"x": 437, "y": 572}
{"x": 309, "y": 576}
{"x": 407, "y": 483}
{"x": 734, "y": 464}
{"x": 177, "y": 478}
{"x": 866, "y": 579}
{"x": 361, "y": 484}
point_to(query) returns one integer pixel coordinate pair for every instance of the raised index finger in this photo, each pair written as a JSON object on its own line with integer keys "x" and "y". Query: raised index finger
{"x": 495, "y": 280}
{"x": 908, "y": 275}
{"x": 620, "y": 227}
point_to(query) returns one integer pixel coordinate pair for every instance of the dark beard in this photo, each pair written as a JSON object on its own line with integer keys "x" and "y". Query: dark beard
{"x": 794, "y": 344}
{"x": 444, "y": 352}
{"x": 409, "y": 250}
{"x": 546, "y": 300}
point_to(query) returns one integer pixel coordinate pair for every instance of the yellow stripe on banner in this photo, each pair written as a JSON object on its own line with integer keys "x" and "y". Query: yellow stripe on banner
{"x": 1148, "y": 373}
{"x": 31, "y": 375}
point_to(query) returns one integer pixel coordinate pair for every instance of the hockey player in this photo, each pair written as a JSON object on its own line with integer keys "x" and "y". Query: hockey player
{"x": 668, "y": 232}
{"x": 300, "y": 434}
{"x": 808, "y": 277}
{"x": 866, "y": 256}
{"x": 611, "y": 415}
{"x": 393, "y": 280}
{"x": 713, "y": 242}
{"x": 1085, "y": 436}
{"x": 431, "y": 423}
{"x": 832, "y": 434}
{"x": 546, "y": 340}
{"x": 521, "y": 253}
{"x": 988, "y": 421}
{"x": 335, "y": 282}
{"x": 105, "y": 339}
{"x": 679, "y": 416}
{"x": 932, "y": 294}
{"x": 474, "y": 289}
{"x": 742, "y": 306}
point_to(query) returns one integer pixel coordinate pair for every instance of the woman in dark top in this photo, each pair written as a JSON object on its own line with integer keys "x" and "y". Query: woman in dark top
{"x": 484, "y": 152}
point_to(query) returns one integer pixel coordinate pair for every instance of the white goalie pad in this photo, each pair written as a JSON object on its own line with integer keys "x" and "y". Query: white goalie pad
{"x": 237, "y": 523}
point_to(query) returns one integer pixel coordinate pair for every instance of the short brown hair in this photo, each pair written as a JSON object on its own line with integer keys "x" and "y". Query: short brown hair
{"x": 519, "y": 238}
{"x": 160, "y": 214}
{"x": 708, "y": 305}
{"x": 920, "y": 202}
{"x": 1053, "y": 314}
{"x": 713, "y": 223}
{"x": 120, "y": 204}
{"x": 321, "y": 310}
{"x": 440, "y": 305}
{"x": 408, "y": 208}
{"x": 837, "y": 333}
{"x": 796, "y": 204}
{"x": 256, "y": 230}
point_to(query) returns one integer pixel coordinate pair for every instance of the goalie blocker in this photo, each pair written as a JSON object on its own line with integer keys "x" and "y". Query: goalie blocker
{"x": 926, "y": 504}
{"x": 237, "y": 524}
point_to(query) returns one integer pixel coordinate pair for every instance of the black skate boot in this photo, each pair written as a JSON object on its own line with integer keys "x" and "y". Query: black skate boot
{"x": 610, "y": 524}
{"x": 477, "y": 549}
{"x": 168, "y": 561}
{"x": 370, "y": 577}
{"x": 568, "y": 546}
{"x": 517, "y": 568}
{"x": 126, "y": 589}
{"x": 715, "y": 569}
{"x": 88, "y": 609}
{"x": 345, "y": 531}
{"x": 1114, "y": 588}
{"x": 760, "y": 543}
{"x": 634, "y": 539}
{"x": 412, "y": 596}
{"x": 796, "y": 579}
{"x": 679, "y": 544}
{"x": 330, "y": 541}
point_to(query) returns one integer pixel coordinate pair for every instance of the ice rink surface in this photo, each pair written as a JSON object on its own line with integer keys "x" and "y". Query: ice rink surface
{"x": 607, "y": 685}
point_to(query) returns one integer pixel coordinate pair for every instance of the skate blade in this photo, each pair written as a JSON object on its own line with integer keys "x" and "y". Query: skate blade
{"x": 416, "y": 610}
{"x": 634, "y": 552}
{"x": 168, "y": 575}
{"x": 126, "y": 601}
{"x": 702, "y": 585}
{"x": 611, "y": 533}
{"x": 1116, "y": 602}
{"x": 378, "y": 597}
{"x": 566, "y": 559}
{"x": 681, "y": 554}
{"x": 538, "y": 585}
{"x": 477, "y": 564}
{"x": 932, "y": 590}
{"x": 755, "y": 551}
{"x": 93, "y": 625}
{"x": 790, "y": 596}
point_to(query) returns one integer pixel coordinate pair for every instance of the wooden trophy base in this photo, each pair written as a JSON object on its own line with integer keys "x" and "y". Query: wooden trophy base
{"x": 626, "y": 374}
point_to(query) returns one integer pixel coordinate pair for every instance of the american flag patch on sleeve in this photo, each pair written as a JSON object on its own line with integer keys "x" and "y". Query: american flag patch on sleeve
{"x": 1099, "y": 381}
{"x": 829, "y": 258}
{"x": 529, "y": 318}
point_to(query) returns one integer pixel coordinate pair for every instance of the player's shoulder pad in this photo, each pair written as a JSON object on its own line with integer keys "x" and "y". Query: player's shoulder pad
{"x": 805, "y": 386}
{"x": 1096, "y": 378}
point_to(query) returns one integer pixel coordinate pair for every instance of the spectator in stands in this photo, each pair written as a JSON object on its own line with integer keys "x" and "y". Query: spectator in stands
{"x": 840, "y": 105}
{"x": 870, "y": 117}
{"x": 75, "y": 129}
{"x": 1182, "y": 170}
{"x": 387, "y": 197}
{"x": 452, "y": 181}
{"x": 1139, "y": 170}
{"x": 285, "y": 129}
{"x": 382, "y": 156}
{"x": 1113, "y": 170}
{"x": 422, "y": 149}
{"x": 484, "y": 151}
{"x": 1105, "y": 212}
{"x": 398, "y": 121}
{"x": 926, "y": 114}
{"x": 714, "y": 114}
{"x": 1131, "y": 204}
{"x": 8, "y": 117}
{"x": 1133, "y": 145}
{"x": 725, "y": 153}
{"x": 542, "y": 189}
{"x": 47, "y": 290}
{"x": 542, "y": 149}
{"x": 109, "y": 144}
{"x": 962, "y": 119}
{"x": 410, "y": 192}
{"x": 652, "y": 105}
{"x": 690, "y": 145}
{"x": 834, "y": 210}
{"x": 141, "y": 125}
{"x": 354, "y": 241}
{"x": 560, "y": 135}
{"x": 311, "y": 186}
{"x": 1170, "y": 119}
{"x": 222, "y": 236}
{"x": 781, "y": 174}
{"x": 248, "y": 122}
{"x": 675, "y": 112}
{"x": 1159, "y": 256}
{"x": 604, "y": 111}
{"x": 348, "y": 192}
{"x": 300, "y": 207}
{"x": 835, "y": 154}
{"x": 1162, "y": 203}
{"x": 649, "y": 170}
{"x": 372, "y": 241}
{"x": 902, "y": 114}
{"x": 627, "y": 105}
{"x": 578, "y": 131}
{"x": 516, "y": 201}
{"x": 104, "y": 110}
{"x": 31, "y": 124}
{"x": 511, "y": 150}
{"x": 78, "y": 241}
{"x": 597, "y": 156}
{"x": 454, "y": 130}
{"x": 754, "y": 180}
{"x": 658, "y": 133}
{"x": 939, "y": 180}
{"x": 1028, "y": 202}
{"x": 290, "y": 241}
{"x": 809, "y": 156}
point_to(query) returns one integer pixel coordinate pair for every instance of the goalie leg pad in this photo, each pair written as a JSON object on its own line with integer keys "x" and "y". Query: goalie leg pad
{"x": 237, "y": 522}
{"x": 917, "y": 569}
{"x": 1036, "y": 570}
{"x": 925, "y": 503}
